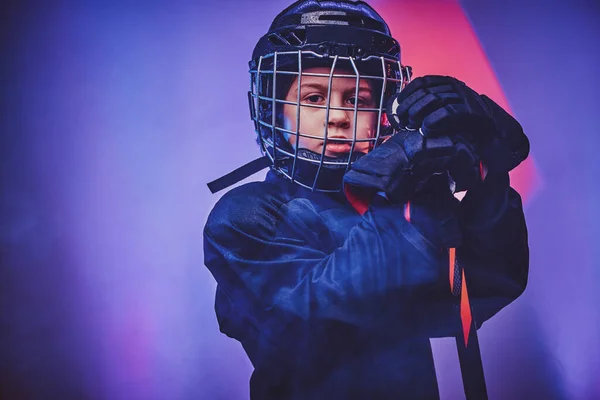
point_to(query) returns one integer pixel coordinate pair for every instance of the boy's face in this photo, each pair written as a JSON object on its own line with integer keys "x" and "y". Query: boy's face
{"x": 340, "y": 123}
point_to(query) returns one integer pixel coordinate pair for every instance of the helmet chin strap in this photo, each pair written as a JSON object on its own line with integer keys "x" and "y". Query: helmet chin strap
{"x": 241, "y": 173}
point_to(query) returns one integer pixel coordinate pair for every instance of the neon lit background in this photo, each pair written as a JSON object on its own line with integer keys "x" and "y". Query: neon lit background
{"x": 114, "y": 116}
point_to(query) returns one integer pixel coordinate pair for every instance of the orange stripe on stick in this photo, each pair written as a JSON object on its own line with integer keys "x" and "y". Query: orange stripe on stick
{"x": 465, "y": 310}
{"x": 452, "y": 254}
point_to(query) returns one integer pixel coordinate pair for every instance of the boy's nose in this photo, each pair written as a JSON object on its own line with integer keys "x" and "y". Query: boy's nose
{"x": 338, "y": 119}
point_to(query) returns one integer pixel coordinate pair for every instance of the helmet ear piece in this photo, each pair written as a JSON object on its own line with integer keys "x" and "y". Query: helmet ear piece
{"x": 265, "y": 125}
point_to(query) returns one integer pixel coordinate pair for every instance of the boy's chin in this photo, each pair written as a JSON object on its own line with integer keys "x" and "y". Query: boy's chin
{"x": 341, "y": 155}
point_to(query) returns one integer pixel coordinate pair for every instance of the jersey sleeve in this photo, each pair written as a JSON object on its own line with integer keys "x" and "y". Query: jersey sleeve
{"x": 495, "y": 252}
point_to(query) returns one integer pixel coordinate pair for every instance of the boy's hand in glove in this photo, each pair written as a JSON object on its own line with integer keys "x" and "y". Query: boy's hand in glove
{"x": 403, "y": 165}
{"x": 445, "y": 106}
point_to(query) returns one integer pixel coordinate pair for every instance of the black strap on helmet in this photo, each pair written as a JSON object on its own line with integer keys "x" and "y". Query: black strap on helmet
{"x": 239, "y": 174}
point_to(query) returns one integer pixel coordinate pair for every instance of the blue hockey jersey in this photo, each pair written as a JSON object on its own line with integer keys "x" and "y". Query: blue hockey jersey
{"x": 332, "y": 304}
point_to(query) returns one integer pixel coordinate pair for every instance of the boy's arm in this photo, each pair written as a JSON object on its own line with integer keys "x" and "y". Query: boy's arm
{"x": 282, "y": 298}
{"x": 382, "y": 254}
{"x": 495, "y": 252}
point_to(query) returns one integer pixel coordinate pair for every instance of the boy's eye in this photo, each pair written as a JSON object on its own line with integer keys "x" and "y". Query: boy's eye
{"x": 315, "y": 98}
{"x": 361, "y": 101}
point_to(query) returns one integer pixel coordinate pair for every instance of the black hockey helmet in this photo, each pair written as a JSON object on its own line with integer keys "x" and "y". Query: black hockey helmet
{"x": 341, "y": 35}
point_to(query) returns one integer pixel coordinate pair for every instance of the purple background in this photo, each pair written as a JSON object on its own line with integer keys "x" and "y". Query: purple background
{"x": 114, "y": 117}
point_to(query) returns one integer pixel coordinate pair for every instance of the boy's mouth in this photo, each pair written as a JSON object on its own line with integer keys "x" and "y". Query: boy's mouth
{"x": 338, "y": 147}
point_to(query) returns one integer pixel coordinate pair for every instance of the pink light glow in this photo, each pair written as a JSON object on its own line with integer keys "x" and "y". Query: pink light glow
{"x": 436, "y": 38}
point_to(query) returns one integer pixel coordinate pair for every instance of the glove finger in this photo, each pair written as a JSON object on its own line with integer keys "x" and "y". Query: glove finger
{"x": 428, "y": 104}
{"x": 439, "y": 152}
{"x": 383, "y": 160}
{"x": 429, "y": 155}
{"x": 363, "y": 180}
{"x": 455, "y": 118}
{"x": 427, "y": 81}
{"x": 385, "y": 170}
{"x": 418, "y": 148}
{"x": 398, "y": 105}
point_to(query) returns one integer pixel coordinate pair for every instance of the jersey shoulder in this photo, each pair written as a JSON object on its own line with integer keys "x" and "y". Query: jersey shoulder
{"x": 249, "y": 207}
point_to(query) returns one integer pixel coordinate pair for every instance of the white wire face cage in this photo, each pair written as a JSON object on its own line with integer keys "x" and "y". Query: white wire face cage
{"x": 273, "y": 76}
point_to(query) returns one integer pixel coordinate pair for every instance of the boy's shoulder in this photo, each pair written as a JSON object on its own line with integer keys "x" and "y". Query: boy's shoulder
{"x": 248, "y": 203}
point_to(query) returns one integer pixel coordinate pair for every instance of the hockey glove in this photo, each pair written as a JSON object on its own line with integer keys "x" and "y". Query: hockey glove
{"x": 402, "y": 165}
{"x": 445, "y": 106}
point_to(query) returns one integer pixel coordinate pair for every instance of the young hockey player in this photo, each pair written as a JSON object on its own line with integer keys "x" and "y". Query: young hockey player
{"x": 333, "y": 273}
